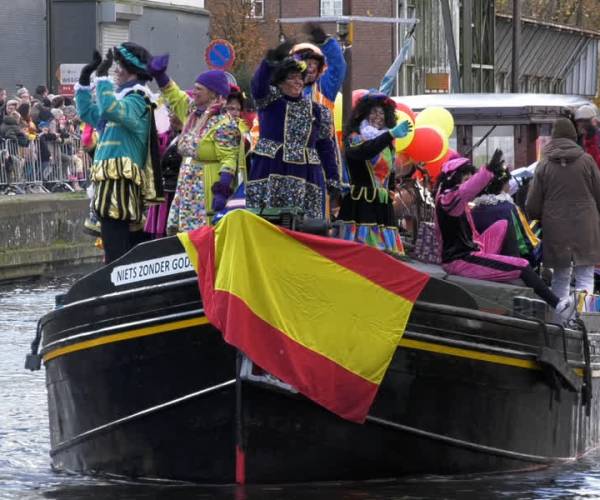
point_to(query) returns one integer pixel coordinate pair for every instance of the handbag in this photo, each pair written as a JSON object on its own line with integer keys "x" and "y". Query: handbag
{"x": 428, "y": 247}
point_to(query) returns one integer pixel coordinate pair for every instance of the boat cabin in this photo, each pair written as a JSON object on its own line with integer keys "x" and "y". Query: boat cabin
{"x": 519, "y": 124}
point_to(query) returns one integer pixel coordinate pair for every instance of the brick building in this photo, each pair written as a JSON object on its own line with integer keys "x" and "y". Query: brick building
{"x": 373, "y": 49}
{"x": 482, "y": 43}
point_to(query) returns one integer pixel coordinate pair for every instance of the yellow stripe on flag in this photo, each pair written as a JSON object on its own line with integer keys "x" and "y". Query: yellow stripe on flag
{"x": 315, "y": 301}
{"x": 190, "y": 249}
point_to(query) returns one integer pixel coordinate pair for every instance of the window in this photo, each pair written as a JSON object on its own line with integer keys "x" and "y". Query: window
{"x": 257, "y": 9}
{"x": 331, "y": 8}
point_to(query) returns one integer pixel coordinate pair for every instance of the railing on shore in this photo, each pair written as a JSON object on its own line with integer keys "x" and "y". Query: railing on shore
{"x": 24, "y": 169}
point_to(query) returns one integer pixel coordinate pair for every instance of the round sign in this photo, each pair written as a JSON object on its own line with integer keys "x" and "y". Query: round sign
{"x": 219, "y": 54}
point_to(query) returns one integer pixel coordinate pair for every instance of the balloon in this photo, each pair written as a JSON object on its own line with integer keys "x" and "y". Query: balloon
{"x": 438, "y": 117}
{"x": 400, "y": 106}
{"x": 428, "y": 144}
{"x": 357, "y": 94}
{"x": 435, "y": 167}
{"x": 403, "y": 143}
{"x": 337, "y": 112}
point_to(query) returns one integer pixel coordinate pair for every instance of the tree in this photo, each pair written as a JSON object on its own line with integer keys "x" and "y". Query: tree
{"x": 232, "y": 20}
{"x": 579, "y": 13}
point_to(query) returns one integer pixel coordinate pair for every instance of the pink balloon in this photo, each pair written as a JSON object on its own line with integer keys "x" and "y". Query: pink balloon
{"x": 357, "y": 94}
{"x": 404, "y": 107}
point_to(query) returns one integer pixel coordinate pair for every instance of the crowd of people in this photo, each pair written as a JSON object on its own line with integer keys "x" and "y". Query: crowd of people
{"x": 287, "y": 156}
{"x": 42, "y": 130}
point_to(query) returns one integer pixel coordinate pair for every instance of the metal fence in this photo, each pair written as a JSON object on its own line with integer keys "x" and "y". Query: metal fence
{"x": 43, "y": 166}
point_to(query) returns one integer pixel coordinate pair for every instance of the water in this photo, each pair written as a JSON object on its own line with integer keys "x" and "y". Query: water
{"x": 24, "y": 443}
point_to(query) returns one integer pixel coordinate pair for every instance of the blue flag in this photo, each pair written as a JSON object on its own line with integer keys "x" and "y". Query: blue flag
{"x": 389, "y": 79}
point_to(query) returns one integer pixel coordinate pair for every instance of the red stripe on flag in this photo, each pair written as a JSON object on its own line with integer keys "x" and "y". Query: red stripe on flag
{"x": 373, "y": 264}
{"x": 320, "y": 379}
{"x": 240, "y": 465}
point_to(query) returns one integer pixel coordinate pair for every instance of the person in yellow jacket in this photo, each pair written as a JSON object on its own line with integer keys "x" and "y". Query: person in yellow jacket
{"x": 209, "y": 144}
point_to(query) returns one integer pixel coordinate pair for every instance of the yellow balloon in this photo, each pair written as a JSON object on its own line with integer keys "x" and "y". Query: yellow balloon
{"x": 337, "y": 112}
{"x": 404, "y": 142}
{"x": 437, "y": 117}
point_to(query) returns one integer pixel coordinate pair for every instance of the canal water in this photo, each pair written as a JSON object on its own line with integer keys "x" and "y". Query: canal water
{"x": 25, "y": 472}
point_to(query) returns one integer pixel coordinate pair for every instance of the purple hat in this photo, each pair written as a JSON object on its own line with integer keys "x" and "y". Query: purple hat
{"x": 454, "y": 164}
{"x": 214, "y": 80}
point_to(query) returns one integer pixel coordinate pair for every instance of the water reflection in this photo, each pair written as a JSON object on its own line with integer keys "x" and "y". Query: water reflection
{"x": 25, "y": 472}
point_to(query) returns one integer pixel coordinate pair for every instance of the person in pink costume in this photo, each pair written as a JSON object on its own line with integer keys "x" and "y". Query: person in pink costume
{"x": 458, "y": 184}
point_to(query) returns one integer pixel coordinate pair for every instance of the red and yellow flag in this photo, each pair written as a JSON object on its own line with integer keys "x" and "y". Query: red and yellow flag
{"x": 321, "y": 314}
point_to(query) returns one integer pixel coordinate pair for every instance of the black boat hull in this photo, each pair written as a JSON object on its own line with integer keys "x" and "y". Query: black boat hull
{"x": 141, "y": 385}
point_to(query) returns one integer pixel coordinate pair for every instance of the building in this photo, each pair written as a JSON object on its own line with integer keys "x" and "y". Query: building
{"x": 554, "y": 59}
{"x": 40, "y": 35}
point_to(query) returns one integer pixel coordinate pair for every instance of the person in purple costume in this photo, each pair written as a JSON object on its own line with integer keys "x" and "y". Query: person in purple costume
{"x": 294, "y": 161}
{"x": 458, "y": 184}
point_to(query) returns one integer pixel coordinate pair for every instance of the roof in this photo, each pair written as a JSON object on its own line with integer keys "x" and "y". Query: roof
{"x": 473, "y": 109}
{"x": 548, "y": 51}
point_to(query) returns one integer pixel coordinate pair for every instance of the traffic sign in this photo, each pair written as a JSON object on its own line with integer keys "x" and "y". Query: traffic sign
{"x": 219, "y": 54}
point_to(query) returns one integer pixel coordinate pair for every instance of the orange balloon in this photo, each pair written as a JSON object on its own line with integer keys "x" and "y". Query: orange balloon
{"x": 435, "y": 167}
{"x": 400, "y": 106}
{"x": 427, "y": 145}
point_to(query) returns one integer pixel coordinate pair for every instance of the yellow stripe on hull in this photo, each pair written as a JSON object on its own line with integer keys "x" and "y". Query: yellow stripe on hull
{"x": 405, "y": 343}
{"x": 132, "y": 334}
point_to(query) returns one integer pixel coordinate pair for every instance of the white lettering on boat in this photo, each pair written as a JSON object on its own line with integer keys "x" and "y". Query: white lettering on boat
{"x": 151, "y": 269}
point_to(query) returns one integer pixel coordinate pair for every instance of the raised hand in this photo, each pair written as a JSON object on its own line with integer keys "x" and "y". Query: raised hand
{"x": 106, "y": 64}
{"x": 402, "y": 129}
{"x": 280, "y": 52}
{"x": 157, "y": 67}
{"x": 88, "y": 69}
{"x": 315, "y": 32}
{"x": 496, "y": 164}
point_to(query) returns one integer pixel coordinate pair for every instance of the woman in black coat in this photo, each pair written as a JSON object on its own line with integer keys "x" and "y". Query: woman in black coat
{"x": 367, "y": 214}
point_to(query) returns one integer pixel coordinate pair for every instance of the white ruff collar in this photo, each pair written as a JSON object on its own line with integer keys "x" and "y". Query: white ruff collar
{"x": 493, "y": 199}
{"x": 137, "y": 87}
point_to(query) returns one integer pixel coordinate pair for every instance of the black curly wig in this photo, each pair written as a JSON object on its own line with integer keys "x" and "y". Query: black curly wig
{"x": 363, "y": 108}
{"x": 285, "y": 68}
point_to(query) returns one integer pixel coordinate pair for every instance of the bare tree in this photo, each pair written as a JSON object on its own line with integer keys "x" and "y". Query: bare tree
{"x": 232, "y": 20}
{"x": 579, "y": 13}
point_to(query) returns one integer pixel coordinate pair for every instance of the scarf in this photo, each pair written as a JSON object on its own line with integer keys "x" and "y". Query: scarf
{"x": 369, "y": 132}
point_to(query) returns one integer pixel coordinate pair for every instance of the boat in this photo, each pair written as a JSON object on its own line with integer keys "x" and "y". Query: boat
{"x": 142, "y": 385}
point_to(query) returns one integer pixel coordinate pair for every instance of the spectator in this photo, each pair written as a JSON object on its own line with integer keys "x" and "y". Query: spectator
{"x": 58, "y": 102}
{"x": 10, "y": 129}
{"x": 41, "y": 93}
{"x": 11, "y": 106}
{"x": 23, "y": 95}
{"x": 47, "y": 139}
{"x": 565, "y": 196}
{"x": 589, "y": 135}
{"x": 2, "y": 103}
{"x": 26, "y": 121}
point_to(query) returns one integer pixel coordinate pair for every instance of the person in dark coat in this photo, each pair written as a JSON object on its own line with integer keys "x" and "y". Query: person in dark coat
{"x": 367, "y": 212}
{"x": 565, "y": 197}
{"x": 11, "y": 129}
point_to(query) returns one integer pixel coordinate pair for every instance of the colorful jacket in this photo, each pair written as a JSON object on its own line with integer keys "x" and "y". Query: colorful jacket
{"x": 124, "y": 119}
{"x": 217, "y": 146}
